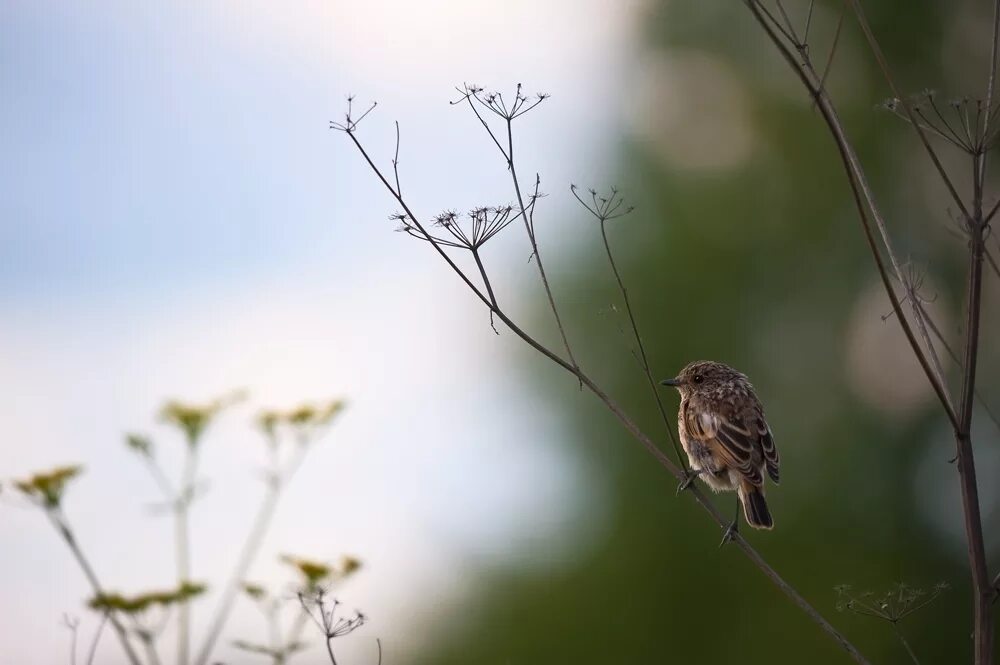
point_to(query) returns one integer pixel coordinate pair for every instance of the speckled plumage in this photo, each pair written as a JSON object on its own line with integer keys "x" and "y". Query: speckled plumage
{"x": 725, "y": 435}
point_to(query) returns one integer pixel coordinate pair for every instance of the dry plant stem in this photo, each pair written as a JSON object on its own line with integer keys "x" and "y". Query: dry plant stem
{"x": 528, "y": 225}
{"x": 294, "y": 635}
{"x": 990, "y": 83}
{"x": 251, "y": 547}
{"x": 642, "y": 347}
{"x": 183, "y": 553}
{"x": 97, "y": 638}
{"x": 958, "y": 361}
{"x": 961, "y": 422}
{"x": 59, "y": 522}
{"x": 982, "y": 590}
{"x": 151, "y": 656}
{"x": 906, "y": 645}
{"x": 486, "y": 282}
{"x": 72, "y": 644}
{"x": 274, "y": 635}
{"x": 982, "y": 587}
{"x": 629, "y": 426}
{"x": 530, "y": 228}
{"x": 993, "y": 264}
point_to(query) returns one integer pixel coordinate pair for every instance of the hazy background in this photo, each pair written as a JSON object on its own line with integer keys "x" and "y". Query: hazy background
{"x": 177, "y": 221}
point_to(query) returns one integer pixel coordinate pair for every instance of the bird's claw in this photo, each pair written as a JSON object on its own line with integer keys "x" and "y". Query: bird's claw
{"x": 730, "y": 533}
{"x": 689, "y": 477}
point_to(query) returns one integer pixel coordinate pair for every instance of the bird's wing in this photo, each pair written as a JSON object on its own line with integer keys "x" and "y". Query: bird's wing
{"x": 729, "y": 440}
{"x": 771, "y": 459}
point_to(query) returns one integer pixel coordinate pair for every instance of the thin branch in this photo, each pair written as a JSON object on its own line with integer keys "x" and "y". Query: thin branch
{"x": 602, "y": 218}
{"x": 809, "y": 17}
{"x": 906, "y": 645}
{"x": 395, "y": 161}
{"x": 489, "y": 287}
{"x": 833, "y": 50}
{"x": 97, "y": 638}
{"x": 73, "y": 626}
{"x": 954, "y": 356}
{"x": 992, "y": 213}
{"x": 993, "y": 262}
{"x": 529, "y": 227}
{"x": 990, "y": 83}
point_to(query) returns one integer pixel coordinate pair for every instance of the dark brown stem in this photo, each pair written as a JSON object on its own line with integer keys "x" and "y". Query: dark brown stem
{"x": 982, "y": 588}
{"x": 642, "y": 347}
{"x": 990, "y": 83}
{"x": 329, "y": 650}
{"x": 906, "y": 645}
{"x": 489, "y": 287}
{"x": 958, "y": 361}
{"x": 529, "y": 227}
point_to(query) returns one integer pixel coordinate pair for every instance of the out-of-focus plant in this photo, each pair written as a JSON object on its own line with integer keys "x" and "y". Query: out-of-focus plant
{"x": 312, "y": 578}
{"x": 72, "y": 624}
{"x": 45, "y": 490}
{"x": 289, "y": 435}
{"x": 147, "y": 612}
{"x": 142, "y": 617}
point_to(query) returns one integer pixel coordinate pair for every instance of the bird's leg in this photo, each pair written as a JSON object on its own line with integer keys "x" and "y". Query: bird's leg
{"x": 733, "y": 528}
{"x": 689, "y": 477}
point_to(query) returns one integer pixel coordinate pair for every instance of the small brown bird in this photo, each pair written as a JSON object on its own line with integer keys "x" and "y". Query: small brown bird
{"x": 727, "y": 440}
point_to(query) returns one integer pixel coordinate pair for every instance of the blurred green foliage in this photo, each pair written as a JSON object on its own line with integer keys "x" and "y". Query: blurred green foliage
{"x": 759, "y": 265}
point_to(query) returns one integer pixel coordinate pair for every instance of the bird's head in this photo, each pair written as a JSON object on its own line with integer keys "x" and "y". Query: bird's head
{"x": 704, "y": 377}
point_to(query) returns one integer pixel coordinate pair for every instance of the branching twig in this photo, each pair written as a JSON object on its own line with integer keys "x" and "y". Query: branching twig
{"x": 495, "y": 103}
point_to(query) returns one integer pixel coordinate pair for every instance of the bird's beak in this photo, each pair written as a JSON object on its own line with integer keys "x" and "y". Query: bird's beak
{"x": 671, "y": 382}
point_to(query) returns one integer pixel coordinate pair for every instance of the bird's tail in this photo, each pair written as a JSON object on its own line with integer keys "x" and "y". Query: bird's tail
{"x": 755, "y": 507}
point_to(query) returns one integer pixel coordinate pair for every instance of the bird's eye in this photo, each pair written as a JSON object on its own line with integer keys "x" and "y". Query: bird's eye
{"x": 698, "y": 378}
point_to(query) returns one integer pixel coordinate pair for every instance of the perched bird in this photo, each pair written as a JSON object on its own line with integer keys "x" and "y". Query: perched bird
{"x": 727, "y": 440}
